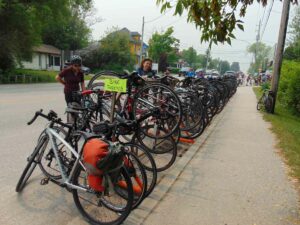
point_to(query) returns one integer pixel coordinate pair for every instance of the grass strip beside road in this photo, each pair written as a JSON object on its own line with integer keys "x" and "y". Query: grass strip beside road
{"x": 286, "y": 126}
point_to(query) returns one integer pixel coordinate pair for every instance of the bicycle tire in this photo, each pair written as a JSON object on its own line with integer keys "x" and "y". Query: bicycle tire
{"x": 101, "y": 204}
{"x": 168, "y": 105}
{"x": 48, "y": 155}
{"x": 164, "y": 153}
{"x": 29, "y": 167}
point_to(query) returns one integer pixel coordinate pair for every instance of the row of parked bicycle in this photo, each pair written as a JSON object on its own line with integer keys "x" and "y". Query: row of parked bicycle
{"x": 113, "y": 145}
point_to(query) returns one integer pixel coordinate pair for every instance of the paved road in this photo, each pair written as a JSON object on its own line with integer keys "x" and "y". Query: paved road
{"x": 236, "y": 178}
{"x": 38, "y": 204}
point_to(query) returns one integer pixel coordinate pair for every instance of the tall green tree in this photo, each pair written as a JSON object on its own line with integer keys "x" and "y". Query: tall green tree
{"x": 235, "y": 66}
{"x": 200, "y": 61}
{"x": 262, "y": 52}
{"x": 113, "y": 52}
{"x": 25, "y": 24}
{"x": 292, "y": 52}
{"x": 214, "y": 64}
{"x": 190, "y": 56}
{"x": 67, "y": 28}
{"x": 163, "y": 47}
{"x": 224, "y": 66}
{"x": 216, "y": 19}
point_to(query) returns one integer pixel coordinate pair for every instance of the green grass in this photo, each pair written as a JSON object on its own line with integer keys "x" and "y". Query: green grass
{"x": 36, "y": 76}
{"x": 40, "y": 76}
{"x": 286, "y": 126}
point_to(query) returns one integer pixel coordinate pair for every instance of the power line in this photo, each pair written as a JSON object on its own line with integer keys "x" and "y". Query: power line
{"x": 150, "y": 21}
{"x": 269, "y": 12}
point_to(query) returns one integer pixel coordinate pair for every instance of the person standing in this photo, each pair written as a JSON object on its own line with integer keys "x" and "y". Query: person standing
{"x": 72, "y": 78}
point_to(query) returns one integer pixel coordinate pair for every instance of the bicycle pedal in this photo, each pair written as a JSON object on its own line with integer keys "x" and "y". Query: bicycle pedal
{"x": 44, "y": 181}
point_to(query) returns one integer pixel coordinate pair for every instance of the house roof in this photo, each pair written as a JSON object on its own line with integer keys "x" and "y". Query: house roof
{"x": 47, "y": 49}
{"x": 135, "y": 33}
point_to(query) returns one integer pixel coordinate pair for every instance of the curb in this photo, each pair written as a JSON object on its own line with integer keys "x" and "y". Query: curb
{"x": 168, "y": 178}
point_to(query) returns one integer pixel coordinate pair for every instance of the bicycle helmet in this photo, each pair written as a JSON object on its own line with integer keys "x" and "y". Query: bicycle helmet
{"x": 76, "y": 59}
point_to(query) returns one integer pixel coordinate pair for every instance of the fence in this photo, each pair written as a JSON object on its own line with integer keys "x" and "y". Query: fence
{"x": 24, "y": 78}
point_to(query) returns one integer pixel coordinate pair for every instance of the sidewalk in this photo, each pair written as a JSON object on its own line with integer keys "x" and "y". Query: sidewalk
{"x": 235, "y": 177}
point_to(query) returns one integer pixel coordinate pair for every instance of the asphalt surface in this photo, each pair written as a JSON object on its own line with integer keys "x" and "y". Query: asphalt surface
{"x": 236, "y": 177}
{"x": 37, "y": 204}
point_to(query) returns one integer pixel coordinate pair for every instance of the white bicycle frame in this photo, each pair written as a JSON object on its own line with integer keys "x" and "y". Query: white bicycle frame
{"x": 66, "y": 180}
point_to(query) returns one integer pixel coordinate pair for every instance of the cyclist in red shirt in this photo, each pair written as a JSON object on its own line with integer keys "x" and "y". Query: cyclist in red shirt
{"x": 72, "y": 78}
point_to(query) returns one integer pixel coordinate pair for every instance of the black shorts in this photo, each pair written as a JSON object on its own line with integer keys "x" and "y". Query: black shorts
{"x": 72, "y": 97}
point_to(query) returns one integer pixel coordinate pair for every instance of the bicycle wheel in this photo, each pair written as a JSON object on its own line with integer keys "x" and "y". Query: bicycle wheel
{"x": 147, "y": 162}
{"x": 192, "y": 110}
{"x": 163, "y": 151}
{"x": 103, "y": 208}
{"x": 32, "y": 162}
{"x": 48, "y": 163}
{"x": 268, "y": 103}
{"x": 259, "y": 103}
{"x": 164, "y": 108}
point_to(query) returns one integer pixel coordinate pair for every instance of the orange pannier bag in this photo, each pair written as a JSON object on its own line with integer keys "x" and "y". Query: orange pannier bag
{"x": 93, "y": 151}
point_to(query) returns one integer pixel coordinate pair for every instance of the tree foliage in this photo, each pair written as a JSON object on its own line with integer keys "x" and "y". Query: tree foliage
{"x": 190, "y": 56}
{"x": 292, "y": 52}
{"x": 220, "y": 65}
{"x": 235, "y": 66}
{"x": 224, "y": 66}
{"x": 113, "y": 53}
{"x": 27, "y": 23}
{"x": 263, "y": 54}
{"x": 216, "y": 19}
{"x": 163, "y": 46}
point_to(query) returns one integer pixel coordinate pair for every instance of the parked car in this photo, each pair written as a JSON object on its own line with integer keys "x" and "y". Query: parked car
{"x": 230, "y": 73}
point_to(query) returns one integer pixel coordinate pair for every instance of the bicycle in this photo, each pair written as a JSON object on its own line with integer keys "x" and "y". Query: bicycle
{"x": 109, "y": 201}
{"x": 266, "y": 101}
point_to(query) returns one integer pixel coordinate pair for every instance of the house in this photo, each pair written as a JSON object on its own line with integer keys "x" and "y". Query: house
{"x": 135, "y": 44}
{"x": 44, "y": 57}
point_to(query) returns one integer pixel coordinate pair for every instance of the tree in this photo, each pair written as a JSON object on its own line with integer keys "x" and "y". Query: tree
{"x": 25, "y": 24}
{"x": 224, "y": 66}
{"x": 67, "y": 28}
{"x": 200, "y": 61}
{"x": 163, "y": 46}
{"x": 216, "y": 19}
{"x": 235, "y": 66}
{"x": 262, "y": 52}
{"x": 292, "y": 52}
{"x": 113, "y": 53}
{"x": 189, "y": 56}
{"x": 214, "y": 64}
{"x": 295, "y": 26}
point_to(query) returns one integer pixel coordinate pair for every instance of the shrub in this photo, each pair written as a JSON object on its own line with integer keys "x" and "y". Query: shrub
{"x": 289, "y": 86}
{"x": 174, "y": 70}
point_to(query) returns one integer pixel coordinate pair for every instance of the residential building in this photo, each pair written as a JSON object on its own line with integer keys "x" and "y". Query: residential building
{"x": 135, "y": 44}
{"x": 44, "y": 57}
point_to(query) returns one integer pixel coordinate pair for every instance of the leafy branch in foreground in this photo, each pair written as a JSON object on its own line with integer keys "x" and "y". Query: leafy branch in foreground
{"x": 217, "y": 19}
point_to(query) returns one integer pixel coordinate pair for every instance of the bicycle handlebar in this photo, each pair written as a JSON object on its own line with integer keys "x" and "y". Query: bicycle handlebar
{"x": 52, "y": 116}
{"x": 37, "y": 113}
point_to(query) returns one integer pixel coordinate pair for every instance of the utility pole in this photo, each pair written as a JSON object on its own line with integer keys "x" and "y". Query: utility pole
{"x": 279, "y": 49}
{"x": 207, "y": 56}
{"x": 257, "y": 40}
{"x": 142, "y": 42}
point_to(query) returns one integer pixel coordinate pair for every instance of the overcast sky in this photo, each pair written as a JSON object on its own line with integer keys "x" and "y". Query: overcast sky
{"x": 129, "y": 13}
